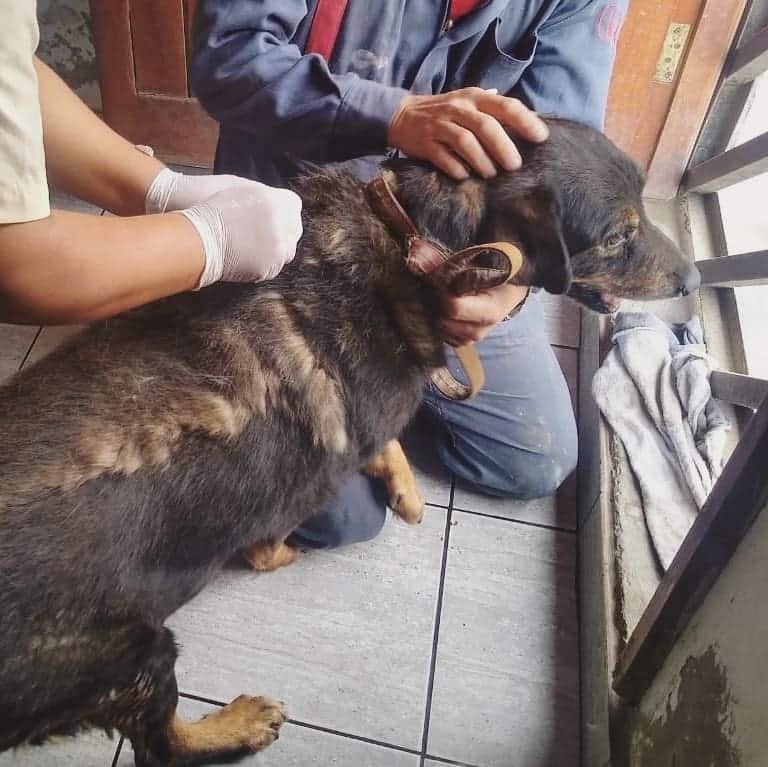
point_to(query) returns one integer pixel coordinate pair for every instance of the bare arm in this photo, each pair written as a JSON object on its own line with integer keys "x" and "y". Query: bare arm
{"x": 74, "y": 268}
{"x": 84, "y": 157}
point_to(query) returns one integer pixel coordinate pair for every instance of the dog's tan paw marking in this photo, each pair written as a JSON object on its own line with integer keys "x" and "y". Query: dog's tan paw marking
{"x": 265, "y": 557}
{"x": 407, "y": 503}
{"x": 256, "y": 721}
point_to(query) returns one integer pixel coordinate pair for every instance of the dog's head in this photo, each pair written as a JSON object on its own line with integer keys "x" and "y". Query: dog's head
{"x": 576, "y": 210}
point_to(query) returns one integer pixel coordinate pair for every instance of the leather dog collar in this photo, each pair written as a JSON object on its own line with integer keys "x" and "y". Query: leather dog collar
{"x": 423, "y": 256}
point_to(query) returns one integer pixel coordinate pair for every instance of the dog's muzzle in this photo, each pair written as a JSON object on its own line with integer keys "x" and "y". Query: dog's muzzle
{"x": 462, "y": 271}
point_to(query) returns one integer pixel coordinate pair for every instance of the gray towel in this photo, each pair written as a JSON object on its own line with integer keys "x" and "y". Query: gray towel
{"x": 653, "y": 389}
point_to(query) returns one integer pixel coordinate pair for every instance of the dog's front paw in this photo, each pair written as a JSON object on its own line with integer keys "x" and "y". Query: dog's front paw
{"x": 406, "y": 502}
{"x": 255, "y": 722}
{"x": 265, "y": 557}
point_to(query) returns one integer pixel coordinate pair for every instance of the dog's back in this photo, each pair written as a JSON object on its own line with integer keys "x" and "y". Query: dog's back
{"x": 148, "y": 450}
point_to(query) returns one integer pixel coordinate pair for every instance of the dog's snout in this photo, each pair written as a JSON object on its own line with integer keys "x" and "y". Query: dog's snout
{"x": 689, "y": 281}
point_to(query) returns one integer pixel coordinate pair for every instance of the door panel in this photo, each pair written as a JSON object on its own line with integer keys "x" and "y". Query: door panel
{"x": 159, "y": 47}
{"x": 143, "y": 48}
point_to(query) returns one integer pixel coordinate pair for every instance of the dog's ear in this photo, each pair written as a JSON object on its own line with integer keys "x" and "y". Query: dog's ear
{"x": 546, "y": 245}
{"x": 533, "y": 219}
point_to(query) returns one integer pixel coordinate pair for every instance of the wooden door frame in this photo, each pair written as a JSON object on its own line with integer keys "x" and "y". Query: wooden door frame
{"x": 178, "y": 129}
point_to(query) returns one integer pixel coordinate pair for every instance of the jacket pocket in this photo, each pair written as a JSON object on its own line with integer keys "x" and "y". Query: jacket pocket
{"x": 498, "y": 64}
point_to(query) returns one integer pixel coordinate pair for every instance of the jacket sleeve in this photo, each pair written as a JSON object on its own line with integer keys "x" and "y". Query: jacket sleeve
{"x": 247, "y": 72}
{"x": 571, "y": 70}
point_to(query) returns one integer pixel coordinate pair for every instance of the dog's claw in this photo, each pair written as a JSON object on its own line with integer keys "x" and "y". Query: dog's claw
{"x": 408, "y": 506}
{"x": 255, "y": 721}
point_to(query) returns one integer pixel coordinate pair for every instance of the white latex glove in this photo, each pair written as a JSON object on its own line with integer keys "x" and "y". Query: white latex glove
{"x": 175, "y": 191}
{"x": 249, "y": 231}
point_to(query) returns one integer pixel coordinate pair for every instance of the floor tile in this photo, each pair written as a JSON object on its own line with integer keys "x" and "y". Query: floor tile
{"x": 15, "y": 341}
{"x": 344, "y": 637}
{"x": 92, "y": 749}
{"x": 49, "y": 339}
{"x": 506, "y": 678}
{"x": 300, "y": 746}
{"x": 557, "y": 510}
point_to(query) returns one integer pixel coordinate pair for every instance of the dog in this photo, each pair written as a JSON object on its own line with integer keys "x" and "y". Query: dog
{"x": 149, "y": 450}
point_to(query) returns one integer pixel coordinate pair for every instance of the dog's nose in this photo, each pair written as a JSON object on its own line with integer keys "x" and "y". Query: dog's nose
{"x": 689, "y": 281}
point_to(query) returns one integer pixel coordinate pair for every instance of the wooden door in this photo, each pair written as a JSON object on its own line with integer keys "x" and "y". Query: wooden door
{"x": 143, "y": 48}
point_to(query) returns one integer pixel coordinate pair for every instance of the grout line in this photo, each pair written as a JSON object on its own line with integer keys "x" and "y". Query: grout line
{"x": 117, "y": 752}
{"x": 444, "y": 760}
{"x": 316, "y": 727}
{"x": 556, "y": 528}
{"x": 361, "y": 738}
{"x": 436, "y": 633}
{"x": 29, "y": 350}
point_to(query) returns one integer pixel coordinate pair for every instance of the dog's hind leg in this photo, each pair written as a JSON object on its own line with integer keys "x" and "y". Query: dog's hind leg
{"x": 391, "y": 465}
{"x": 143, "y": 708}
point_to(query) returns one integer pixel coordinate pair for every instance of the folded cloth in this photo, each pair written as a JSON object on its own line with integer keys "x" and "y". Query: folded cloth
{"x": 653, "y": 390}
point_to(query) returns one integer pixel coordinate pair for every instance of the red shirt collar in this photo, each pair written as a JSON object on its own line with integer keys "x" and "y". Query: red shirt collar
{"x": 461, "y": 8}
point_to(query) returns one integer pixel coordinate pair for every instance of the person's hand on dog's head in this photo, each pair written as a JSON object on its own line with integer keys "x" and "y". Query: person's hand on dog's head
{"x": 469, "y": 318}
{"x": 465, "y": 129}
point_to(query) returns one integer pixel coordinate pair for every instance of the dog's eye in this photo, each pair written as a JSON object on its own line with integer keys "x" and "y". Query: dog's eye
{"x": 615, "y": 240}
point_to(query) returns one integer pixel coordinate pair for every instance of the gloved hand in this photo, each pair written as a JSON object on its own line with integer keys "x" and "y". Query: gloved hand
{"x": 249, "y": 231}
{"x": 175, "y": 191}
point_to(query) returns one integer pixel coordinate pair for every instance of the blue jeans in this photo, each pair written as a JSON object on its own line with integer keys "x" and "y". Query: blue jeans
{"x": 515, "y": 439}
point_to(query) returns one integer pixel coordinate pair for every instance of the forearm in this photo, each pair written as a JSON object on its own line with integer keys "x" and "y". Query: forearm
{"x": 248, "y": 73}
{"x": 86, "y": 158}
{"x": 74, "y": 268}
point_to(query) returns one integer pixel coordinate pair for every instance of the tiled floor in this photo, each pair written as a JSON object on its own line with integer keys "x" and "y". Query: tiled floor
{"x": 451, "y": 643}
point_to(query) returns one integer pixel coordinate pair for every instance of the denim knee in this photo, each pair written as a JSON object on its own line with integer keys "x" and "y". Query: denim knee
{"x": 511, "y": 472}
{"x": 355, "y": 515}
{"x": 525, "y": 476}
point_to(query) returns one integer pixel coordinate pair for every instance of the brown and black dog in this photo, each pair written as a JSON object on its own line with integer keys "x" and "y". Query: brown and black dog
{"x": 139, "y": 458}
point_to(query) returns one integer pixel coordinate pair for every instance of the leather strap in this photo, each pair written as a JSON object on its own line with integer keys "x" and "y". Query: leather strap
{"x": 325, "y": 27}
{"x": 425, "y": 258}
{"x": 387, "y": 207}
{"x": 449, "y": 386}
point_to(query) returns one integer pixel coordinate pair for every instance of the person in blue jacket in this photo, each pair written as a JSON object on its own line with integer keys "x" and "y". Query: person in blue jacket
{"x": 439, "y": 81}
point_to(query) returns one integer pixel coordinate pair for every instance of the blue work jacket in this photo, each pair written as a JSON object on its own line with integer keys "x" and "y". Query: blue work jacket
{"x": 277, "y": 105}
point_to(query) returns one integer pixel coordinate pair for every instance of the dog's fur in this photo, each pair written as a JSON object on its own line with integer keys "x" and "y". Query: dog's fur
{"x": 141, "y": 456}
